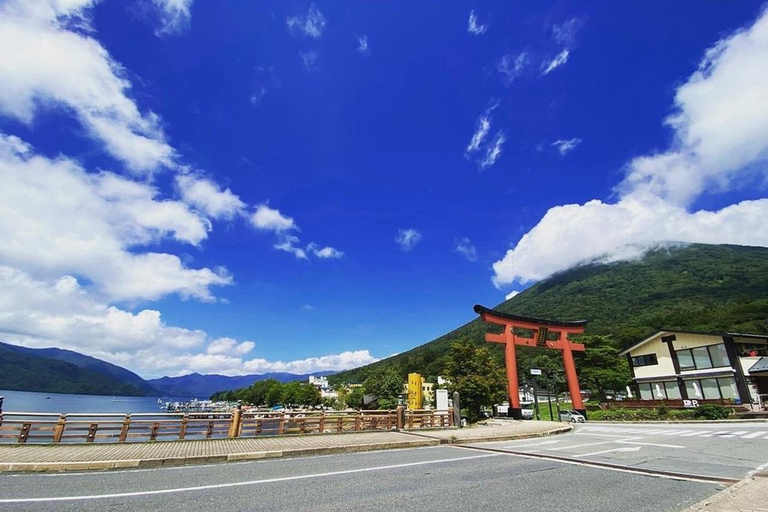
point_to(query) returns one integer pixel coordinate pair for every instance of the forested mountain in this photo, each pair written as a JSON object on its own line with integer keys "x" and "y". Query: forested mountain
{"x": 91, "y": 363}
{"x": 693, "y": 287}
{"x": 21, "y": 370}
{"x": 196, "y": 385}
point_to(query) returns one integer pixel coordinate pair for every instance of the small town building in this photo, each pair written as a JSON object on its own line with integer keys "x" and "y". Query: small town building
{"x": 687, "y": 365}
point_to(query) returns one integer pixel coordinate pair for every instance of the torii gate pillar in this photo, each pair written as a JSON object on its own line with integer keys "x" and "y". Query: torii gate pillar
{"x": 552, "y": 334}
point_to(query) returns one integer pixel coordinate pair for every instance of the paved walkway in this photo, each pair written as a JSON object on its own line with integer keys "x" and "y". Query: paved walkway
{"x": 80, "y": 457}
{"x": 745, "y": 496}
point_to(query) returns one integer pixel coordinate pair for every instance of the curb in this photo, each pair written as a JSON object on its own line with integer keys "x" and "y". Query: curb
{"x": 204, "y": 459}
{"x": 505, "y": 437}
{"x": 712, "y": 503}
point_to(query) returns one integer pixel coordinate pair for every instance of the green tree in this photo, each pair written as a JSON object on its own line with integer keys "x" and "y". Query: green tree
{"x": 476, "y": 375}
{"x": 601, "y": 367}
{"x": 386, "y": 385}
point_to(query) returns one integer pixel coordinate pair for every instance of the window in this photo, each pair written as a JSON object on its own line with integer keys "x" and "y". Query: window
{"x": 673, "y": 391}
{"x": 728, "y": 388}
{"x": 645, "y": 360}
{"x": 685, "y": 358}
{"x": 645, "y": 391}
{"x": 699, "y": 358}
{"x": 693, "y": 389}
{"x": 710, "y": 389}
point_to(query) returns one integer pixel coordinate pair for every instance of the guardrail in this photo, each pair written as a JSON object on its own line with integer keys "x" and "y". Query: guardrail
{"x": 27, "y": 427}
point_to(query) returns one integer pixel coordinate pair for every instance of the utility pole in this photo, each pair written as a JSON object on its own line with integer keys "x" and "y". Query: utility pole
{"x": 548, "y": 374}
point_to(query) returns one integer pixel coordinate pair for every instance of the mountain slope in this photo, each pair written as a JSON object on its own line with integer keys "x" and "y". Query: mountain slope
{"x": 693, "y": 287}
{"x": 23, "y": 371}
{"x": 96, "y": 365}
{"x": 197, "y": 385}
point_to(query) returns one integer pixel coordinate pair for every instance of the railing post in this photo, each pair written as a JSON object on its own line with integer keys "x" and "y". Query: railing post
{"x": 153, "y": 431}
{"x": 58, "y": 430}
{"x": 359, "y": 421}
{"x": 281, "y": 425}
{"x": 184, "y": 423}
{"x": 234, "y": 425}
{"x": 24, "y": 434}
{"x": 400, "y": 412}
{"x": 126, "y": 426}
{"x": 209, "y": 432}
{"x": 321, "y": 427}
{"x": 92, "y": 432}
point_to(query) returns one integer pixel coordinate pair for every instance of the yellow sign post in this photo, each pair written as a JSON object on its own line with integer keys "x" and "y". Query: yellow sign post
{"x": 415, "y": 395}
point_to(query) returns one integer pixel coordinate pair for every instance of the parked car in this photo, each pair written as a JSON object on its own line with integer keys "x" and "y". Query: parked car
{"x": 572, "y": 416}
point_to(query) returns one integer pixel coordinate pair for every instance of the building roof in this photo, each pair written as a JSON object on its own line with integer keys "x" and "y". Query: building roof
{"x": 760, "y": 366}
{"x": 557, "y": 323}
{"x": 705, "y": 333}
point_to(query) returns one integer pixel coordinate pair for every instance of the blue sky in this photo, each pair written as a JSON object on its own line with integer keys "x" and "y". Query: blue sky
{"x": 241, "y": 187}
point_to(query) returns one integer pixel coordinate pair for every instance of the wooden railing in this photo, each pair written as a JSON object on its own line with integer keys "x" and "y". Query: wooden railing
{"x": 23, "y": 427}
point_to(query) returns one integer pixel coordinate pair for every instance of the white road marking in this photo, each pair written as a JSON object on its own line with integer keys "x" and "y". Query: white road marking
{"x": 753, "y": 435}
{"x": 604, "y": 435}
{"x": 698, "y": 433}
{"x": 515, "y": 446}
{"x": 735, "y": 434}
{"x": 717, "y": 433}
{"x": 633, "y": 449}
{"x": 652, "y": 444}
{"x": 238, "y": 484}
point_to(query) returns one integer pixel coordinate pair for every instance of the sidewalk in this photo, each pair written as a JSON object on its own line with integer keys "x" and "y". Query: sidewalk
{"x": 79, "y": 457}
{"x": 745, "y": 496}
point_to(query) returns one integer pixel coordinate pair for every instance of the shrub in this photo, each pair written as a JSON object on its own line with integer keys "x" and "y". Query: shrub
{"x": 712, "y": 412}
{"x": 681, "y": 414}
{"x": 662, "y": 410}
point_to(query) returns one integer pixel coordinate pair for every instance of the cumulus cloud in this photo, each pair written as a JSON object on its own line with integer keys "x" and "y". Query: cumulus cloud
{"x": 174, "y": 15}
{"x": 270, "y": 219}
{"x": 473, "y": 26}
{"x": 565, "y": 146}
{"x": 719, "y": 144}
{"x": 44, "y": 313}
{"x": 47, "y": 64}
{"x": 559, "y": 60}
{"x": 408, "y": 238}
{"x": 324, "y": 252}
{"x": 311, "y": 25}
{"x": 207, "y": 197}
{"x": 511, "y": 294}
{"x": 466, "y": 249}
{"x": 56, "y": 218}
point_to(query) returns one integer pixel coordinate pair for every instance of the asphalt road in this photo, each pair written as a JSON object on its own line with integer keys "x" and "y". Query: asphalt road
{"x": 425, "y": 479}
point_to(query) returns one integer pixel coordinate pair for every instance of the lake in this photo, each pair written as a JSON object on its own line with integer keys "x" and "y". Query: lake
{"x": 27, "y": 401}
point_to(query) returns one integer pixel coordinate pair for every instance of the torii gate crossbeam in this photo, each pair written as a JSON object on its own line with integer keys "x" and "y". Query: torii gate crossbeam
{"x": 542, "y": 330}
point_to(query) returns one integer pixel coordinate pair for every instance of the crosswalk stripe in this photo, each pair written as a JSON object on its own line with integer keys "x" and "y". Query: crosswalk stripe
{"x": 696, "y": 433}
{"x": 718, "y": 433}
{"x": 735, "y": 434}
{"x": 753, "y": 435}
{"x": 673, "y": 432}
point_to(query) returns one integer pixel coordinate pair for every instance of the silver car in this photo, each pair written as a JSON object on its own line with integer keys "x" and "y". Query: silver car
{"x": 572, "y": 416}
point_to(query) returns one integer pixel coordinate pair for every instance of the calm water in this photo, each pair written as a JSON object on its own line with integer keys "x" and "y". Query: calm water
{"x": 25, "y": 401}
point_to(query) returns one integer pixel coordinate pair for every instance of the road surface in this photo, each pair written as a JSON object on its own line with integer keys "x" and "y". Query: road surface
{"x": 481, "y": 476}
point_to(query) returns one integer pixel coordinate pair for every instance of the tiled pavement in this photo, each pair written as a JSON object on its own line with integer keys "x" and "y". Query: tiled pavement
{"x": 109, "y": 456}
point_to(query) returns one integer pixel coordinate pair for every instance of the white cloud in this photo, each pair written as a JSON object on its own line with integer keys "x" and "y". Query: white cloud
{"x": 45, "y": 313}
{"x": 309, "y": 59}
{"x": 265, "y": 80}
{"x": 473, "y": 26}
{"x": 207, "y": 197}
{"x": 560, "y": 59}
{"x": 288, "y": 243}
{"x": 269, "y": 219}
{"x": 324, "y": 252}
{"x": 175, "y": 16}
{"x": 229, "y": 346}
{"x": 362, "y": 44}
{"x": 311, "y": 25}
{"x": 465, "y": 248}
{"x": 55, "y": 218}
{"x": 493, "y": 150}
{"x": 565, "y": 146}
{"x": 719, "y": 144}
{"x": 46, "y": 64}
{"x": 408, "y": 238}
{"x": 511, "y": 294}
{"x": 512, "y": 66}
{"x": 565, "y": 33}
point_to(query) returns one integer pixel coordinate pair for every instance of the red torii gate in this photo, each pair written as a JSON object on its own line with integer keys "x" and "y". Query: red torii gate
{"x": 541, "y": 338}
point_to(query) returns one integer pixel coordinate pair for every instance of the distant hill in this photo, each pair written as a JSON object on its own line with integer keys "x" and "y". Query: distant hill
{"x": 197, "y": 385}
{"x": 97, "y": 365}
{"x": 693, "y": 287}
{"x": 22, "y": 370}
